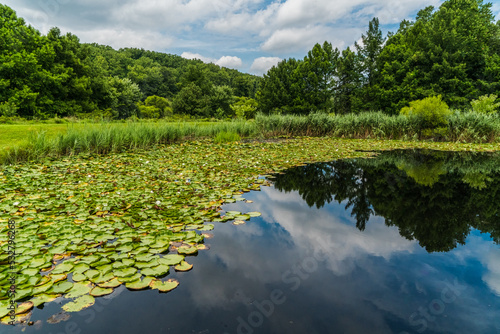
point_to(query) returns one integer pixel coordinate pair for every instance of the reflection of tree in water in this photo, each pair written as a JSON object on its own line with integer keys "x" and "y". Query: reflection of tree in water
{"x": 434, "y": 197}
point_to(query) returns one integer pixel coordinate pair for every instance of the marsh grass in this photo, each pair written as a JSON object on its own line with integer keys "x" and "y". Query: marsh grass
{"x": 114, "y": 137}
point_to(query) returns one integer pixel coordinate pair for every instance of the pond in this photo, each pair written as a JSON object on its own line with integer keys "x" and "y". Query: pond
{"x": 407, "y": 242}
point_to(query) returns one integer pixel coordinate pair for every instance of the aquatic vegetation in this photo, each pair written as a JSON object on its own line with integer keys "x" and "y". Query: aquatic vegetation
{"x": 88, "y": 224}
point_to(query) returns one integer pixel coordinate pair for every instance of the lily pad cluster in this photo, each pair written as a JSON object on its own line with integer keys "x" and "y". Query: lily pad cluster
{"x": 88, "y": 224}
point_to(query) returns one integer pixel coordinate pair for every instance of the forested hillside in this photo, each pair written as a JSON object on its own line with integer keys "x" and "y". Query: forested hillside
{"x": 56, "y": 75}
{"x": 453, "y": 51}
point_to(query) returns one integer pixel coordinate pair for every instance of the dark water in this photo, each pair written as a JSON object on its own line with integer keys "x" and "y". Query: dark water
{"x": 404, "y": 243}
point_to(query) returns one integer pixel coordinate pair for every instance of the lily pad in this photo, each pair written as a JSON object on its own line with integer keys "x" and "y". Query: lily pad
{"x": 42, "y": 288}
{"x": 129, "y": 279}
{"x": 254, "y": 214}
{"x": 62, "y": 287}
{"x": 92, "y": 273}
{"x": 43, "y": 298}
{"x": 139, "y": 284}
{"x": 24, "y": 307}
{"x": 81, "y": 268}
{"x": 98, "y": 291}
{"x": 126, "y": 272}
{"x": 183, "y": 266}
{"x": 23, "y": 293}
{"x": 79, "y": 289}
{"x": 79, "y": 277}
{"x": 185, "y": 250}
{"x": 171, "y": 259}
{"x": 111, "y": 284}
{"x": 79, "y": 304}
{"x": 157, "y": 271}
{"x": 239, "y": 222}
{"x": 62, "y": 268}
{"x": 164, "y": 286}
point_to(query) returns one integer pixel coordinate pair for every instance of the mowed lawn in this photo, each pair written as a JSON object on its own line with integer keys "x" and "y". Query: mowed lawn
{"x": 14, "y": 134}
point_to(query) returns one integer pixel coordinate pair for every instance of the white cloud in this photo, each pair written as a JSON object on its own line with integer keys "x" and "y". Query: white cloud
{"x": 121, "y": 38}
{"x": 230, "y": 62}
{"x": 262, "y": 64}
{"x": 224, "y": 61}
{"x": 190, "y": 55}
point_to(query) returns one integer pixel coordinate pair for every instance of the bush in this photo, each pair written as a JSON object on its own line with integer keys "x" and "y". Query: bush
{"x": 485, "y": 104}
{"x": 431, "y": 111}
{"x": 8, "y": 109}
{"x": 226, "y": 137}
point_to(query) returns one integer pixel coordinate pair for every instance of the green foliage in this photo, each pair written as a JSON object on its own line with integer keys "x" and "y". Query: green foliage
{"x": 448, "y": 52}
{"x": 226, "y": 137}
{"x": 8, "y": 109}
{"x": 154, "y": 107}
{"x": 245, "y": 108}
{"x": 485, "y": 104}
{"x": 431, "y": 111}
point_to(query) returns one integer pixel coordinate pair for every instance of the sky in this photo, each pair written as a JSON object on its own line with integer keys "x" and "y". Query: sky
{"x": 248, "y": 35}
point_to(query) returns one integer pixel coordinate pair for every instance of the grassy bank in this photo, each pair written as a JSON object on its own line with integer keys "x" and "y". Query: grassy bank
{"x": 17, "y": 144}
{"x": 462, "y": 127}
{"x": 114, "y": 138}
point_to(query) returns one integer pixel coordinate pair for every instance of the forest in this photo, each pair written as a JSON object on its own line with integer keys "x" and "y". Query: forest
{"x": 450, "y": 54}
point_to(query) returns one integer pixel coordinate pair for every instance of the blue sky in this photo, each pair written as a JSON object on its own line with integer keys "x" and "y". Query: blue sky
{"x": 249, "y": 35}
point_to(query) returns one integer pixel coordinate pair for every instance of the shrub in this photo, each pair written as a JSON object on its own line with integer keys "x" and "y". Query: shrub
{"x": 485, "y": 104}
{"x": 431, "y": 111}
{"x": 8, "y": 109}
{"x": 226, "y": 137}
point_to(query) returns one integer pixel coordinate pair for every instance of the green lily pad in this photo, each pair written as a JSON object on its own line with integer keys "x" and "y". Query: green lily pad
{"x": 143, "y": 265}
{"x": 92, "y": 273}
{"x": 79, "y": 277}
{"x": 183, "y": 266}
{"x": 113, "y": 283}
{"x": 62, "y": 268}
{"x": 79, "y": 304}
{"x": 254, "y": 214}
{"x": 99, "y": 292}
{"x": 43, "y": 298}
{"x": 128, "y": 262}
{"x": 105, "y": 269}
{"x": 185, "y": 250}
{"x": 42, "y": 288}
{"x": 62, "y": 287}
{"x": 102, "y": 278}
{"x": 208, "y": 227}
{"x": 164, "y": 286}
{"x": 81, "y": 268}
{"x": 126, "y": 272}
{"x": 79, "y": 289}
{"x": 129, "y": 279}
{"x": 171, "y": 259}
{"x": 58, "y": 277}
{"x": 157, "y": 271}
{"x": 23, "y": 293}
{"x": 139, "y": 284}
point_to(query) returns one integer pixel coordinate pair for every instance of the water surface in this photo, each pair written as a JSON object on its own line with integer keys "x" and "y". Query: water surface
{"x": 407, "y": 242}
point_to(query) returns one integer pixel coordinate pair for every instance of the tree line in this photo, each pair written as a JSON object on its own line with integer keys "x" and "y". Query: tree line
{"x": 55, "y": 75}
{"x": 452, "y": 51}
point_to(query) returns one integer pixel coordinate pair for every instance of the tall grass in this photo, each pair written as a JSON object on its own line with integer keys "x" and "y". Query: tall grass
{"x": 462, "y": 127}
{"x": 114, "y": 138}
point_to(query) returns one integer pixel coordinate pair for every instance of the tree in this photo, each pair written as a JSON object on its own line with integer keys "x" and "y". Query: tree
{"x": 276, "y": 92}
{"x": 448, "y": 52}
{"x": 315, "y": 79}
{"x": 368, "y": 55}
{"x": 192, "y": 101}
{"x": 348, "y": 83}
{"x": 125, "y": 94}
